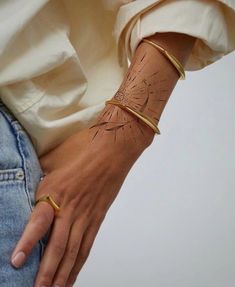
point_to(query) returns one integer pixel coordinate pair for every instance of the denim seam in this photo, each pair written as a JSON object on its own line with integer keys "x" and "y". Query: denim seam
{"x": 16, "y": 134}
{"x": 24, "y": 167}
{"x": 26, "y": 186}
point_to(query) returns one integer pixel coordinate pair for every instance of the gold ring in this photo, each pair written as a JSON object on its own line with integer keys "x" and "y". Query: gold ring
{"x": 48, "y": 199}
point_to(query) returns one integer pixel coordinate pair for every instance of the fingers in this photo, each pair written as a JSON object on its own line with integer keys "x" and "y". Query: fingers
{"x": 54, "y": 251}
{"x": 38, "y": 224}
{"x": 84, "y": 251}
{"x": 70, "y": 255}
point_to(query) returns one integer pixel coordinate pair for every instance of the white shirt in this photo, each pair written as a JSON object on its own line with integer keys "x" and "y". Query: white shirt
{"x": 60, "y": 60}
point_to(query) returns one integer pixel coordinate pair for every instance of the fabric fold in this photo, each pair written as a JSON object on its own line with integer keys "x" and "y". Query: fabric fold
{"x": 211, "y": 22}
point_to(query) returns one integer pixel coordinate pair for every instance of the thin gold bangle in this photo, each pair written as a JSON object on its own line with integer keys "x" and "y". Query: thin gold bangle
{"x": 170, "y": 57}
{"x": 147, "y": 120}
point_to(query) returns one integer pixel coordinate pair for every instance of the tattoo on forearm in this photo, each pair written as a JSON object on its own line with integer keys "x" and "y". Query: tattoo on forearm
{"x": 142, "y": 90}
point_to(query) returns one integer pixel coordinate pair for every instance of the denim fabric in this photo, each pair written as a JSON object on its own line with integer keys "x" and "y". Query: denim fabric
{"x": 20, "y": 173}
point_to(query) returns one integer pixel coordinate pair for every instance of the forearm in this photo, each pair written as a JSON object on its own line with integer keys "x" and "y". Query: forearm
{"x": 154, "y": 76}
{"x": 146, "y": 87}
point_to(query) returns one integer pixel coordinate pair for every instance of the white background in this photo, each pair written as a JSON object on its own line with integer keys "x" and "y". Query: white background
{"x": 173, "y": 222}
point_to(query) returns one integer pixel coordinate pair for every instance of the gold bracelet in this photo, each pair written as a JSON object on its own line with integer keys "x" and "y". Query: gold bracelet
{"x": 147, "y": 120}
{"x": 170, "y": 57}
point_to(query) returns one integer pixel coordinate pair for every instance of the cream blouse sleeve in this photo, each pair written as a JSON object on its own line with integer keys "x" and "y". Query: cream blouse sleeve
{"x": 211, "y": 22}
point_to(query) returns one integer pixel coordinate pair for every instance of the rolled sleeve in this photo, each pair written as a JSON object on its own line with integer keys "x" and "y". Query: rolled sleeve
{"x": 211, "y": 22}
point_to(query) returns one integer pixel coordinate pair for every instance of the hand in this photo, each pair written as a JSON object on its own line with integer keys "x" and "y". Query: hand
{"x": 83, "y": 177}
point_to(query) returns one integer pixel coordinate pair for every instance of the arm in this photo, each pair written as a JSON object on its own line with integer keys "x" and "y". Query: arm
{"x": 85, "y": 173}
{"x": 146, "y": 87}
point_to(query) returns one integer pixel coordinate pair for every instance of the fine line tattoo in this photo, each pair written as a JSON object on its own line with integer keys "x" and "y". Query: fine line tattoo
{"x": 143, "y": 91}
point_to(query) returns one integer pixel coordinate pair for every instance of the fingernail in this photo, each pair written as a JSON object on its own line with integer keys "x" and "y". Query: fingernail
{"x": 18, "y": 259}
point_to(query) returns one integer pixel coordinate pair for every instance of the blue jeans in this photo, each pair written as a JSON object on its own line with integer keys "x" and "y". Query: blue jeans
{"x": 20, "y": 173}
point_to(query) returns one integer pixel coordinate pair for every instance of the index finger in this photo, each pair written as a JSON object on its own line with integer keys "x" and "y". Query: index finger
{"x": 40, "y": 220}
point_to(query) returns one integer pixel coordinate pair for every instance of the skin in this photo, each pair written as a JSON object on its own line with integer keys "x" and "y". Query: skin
{"x": 85, "y": 173}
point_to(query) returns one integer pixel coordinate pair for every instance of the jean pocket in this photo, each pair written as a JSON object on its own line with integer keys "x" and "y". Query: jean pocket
{"x": 17, "y": 205}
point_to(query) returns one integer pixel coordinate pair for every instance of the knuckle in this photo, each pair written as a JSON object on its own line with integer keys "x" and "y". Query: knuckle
{"x": 84, "y": 254}
{"x": 45, "y": 279}
{"x": 40, "y": 221}
{"x": 72, "y": 252}
{"x": 98, "y": 223}
{"x": 72, "y": 280}
{"x": 44, "y": 283}
{"x": 28, "y": 243}
{"x": 74, "y": 273}
{"x": 73, "y": 204}
{"x": 58, "y": 248}
{"x": 60, "y": 281}
{"x": 99, "y": 217}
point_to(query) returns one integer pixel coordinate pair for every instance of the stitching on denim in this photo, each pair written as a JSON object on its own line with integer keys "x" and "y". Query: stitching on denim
{"x": 7, "y": 175}
{"x": 24, "y": 168}
{"x": 16, "y": 134}
{"x": 10, "y": 119}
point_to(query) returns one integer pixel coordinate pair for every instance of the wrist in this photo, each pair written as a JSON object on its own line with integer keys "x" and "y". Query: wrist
{"x": 121, "y": 132}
